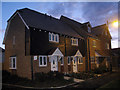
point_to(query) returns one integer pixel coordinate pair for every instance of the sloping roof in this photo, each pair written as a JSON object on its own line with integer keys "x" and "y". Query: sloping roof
{"x": 80, "y": 28}
{"x": 99, "y": 30}
{"x": 45, "y": 22}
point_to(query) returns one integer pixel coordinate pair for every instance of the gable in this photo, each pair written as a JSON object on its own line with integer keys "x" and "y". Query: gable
{"x": 78, "y": 53}
{"x": 57, "y": 52}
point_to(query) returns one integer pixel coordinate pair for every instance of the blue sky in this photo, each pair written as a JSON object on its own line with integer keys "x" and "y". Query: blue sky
{"x": 96, "y": 13}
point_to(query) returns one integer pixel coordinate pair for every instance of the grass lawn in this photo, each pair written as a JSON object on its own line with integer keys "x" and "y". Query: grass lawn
{"x": 112, "y": 84}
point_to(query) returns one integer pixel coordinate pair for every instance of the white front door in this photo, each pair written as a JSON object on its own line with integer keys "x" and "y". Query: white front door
{"x": 74, "y": 65}
{"x": 54, "y": 63}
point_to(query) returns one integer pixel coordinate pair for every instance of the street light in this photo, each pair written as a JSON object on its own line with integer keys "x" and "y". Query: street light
{"x": 115, "y": 23}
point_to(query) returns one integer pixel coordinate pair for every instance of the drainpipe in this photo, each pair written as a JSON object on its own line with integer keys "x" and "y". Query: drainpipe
{"x": 89, "y": 55}
{"x": 65, "y": 45}
{"x": 32, "y": 67}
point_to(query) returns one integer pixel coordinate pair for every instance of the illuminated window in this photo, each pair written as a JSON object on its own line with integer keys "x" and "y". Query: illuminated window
{"x": 74, "y": 41}
{"x": 94, "y": 43}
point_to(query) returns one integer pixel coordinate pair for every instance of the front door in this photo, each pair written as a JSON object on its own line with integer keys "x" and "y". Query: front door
{"x": 54, "y": 63}
{"x": 74, "y": 65}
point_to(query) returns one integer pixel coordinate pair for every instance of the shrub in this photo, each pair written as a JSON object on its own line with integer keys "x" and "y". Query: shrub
{"x": 50, "y": 76}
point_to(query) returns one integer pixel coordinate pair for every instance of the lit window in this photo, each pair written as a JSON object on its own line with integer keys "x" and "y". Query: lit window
{"x": 69, "y": 59}
{"x": 12, "y": 62}
{"x": 42, "y": 60}
{"x": 92, "y": 59}
{"x": 74, "y": 41}
{"x": 53, "y": 37}
{"x": 94, "y": 43}
{"x": 80, "y": 60}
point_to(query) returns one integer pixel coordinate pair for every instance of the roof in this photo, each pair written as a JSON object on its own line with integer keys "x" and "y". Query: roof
{"x": 116, "y": 51}
{"x": 3, "y": 50}
{"x": 80, "y": 28}
{"x": 45, "y": 22}
{"x": 99, "y": 30}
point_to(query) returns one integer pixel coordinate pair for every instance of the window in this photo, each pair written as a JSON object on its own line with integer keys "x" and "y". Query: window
{"x": 80, "y": 60}
{"x": 107, "y": 45}
{"x": 74, "y": 41}
{"x": 53, "y": 37}
{"x": 92, "y": 59}
{"x": 69, "y": 59}
{"x": 62, "y": 61}
{"x": 94, "y": 43}
{"x": 12, "y": 62}
{"x": 13, "y": 40}
{"x": 42, "y": 60}
{"x": 89, "y": 29}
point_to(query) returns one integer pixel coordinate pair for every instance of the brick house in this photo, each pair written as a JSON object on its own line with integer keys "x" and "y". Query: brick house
{"x": 97, "y": 52}
{"x": 36, "y": 42}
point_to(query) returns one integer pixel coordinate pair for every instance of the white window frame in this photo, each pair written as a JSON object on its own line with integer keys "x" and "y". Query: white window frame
{"x": 42, "y": 61}
{"x": 94, "y": 43}
{"x": 69, "y": 58}
{"x": 11, "y": 63}
{"x": 81, "y": 59}
{"x": 72, "y": 39}
{"x": 55, "y": 35}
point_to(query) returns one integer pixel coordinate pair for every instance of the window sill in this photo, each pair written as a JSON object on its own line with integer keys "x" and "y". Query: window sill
{"x": 74, "y": 45}
{"x": 53, "y": 42}
{"x": 80, "y": 63}
{"x": 42, "y": 65}
{"x": 13, "y": 68}
{"x": 61, "y": 64}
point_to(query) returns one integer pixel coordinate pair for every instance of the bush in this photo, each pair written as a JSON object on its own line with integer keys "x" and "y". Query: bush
{"x": 50, "y": 76}
{"x": 100, "y": 70}
{"x": 7, "y": 77}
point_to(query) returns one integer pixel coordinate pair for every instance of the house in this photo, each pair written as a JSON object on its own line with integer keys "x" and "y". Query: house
{"x": 97, "y": 41}
{"x": 36, "y": 42}
{"x": 115, "y": 53}
{"x": 2, "y": 53}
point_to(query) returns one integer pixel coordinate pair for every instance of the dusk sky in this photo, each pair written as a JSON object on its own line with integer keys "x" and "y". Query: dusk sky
{"x": 96, "y": 13}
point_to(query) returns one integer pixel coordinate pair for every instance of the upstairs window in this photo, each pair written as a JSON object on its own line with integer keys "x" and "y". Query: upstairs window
{"x": 94, "y": 43}
{"x": 74, "y": 41}
{"x": 53, "y": 37}
{"x": 12, "y": 62}
{"x": 42, "y": 60}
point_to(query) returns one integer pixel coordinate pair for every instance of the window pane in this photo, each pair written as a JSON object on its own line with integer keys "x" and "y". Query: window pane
{"x": 56, "y": 38}
{"x": 40, "y": 60}
{"x": 53, "y": 61}
{"x": 53, "y": 37}
{"x": 44, "y": 60}
{"x": 13, "y": 62}
{"x": 49, "y": 36}
{"x": 68, "y": 60}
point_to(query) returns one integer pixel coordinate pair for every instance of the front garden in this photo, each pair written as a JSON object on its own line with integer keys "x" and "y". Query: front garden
{"x": 51, "y": 79}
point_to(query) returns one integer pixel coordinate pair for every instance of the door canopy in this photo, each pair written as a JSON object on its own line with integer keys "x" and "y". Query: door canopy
{"x": 78, "y": 53}
{"x": 57, "y": 52}
{"x": 97, "y": 54}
